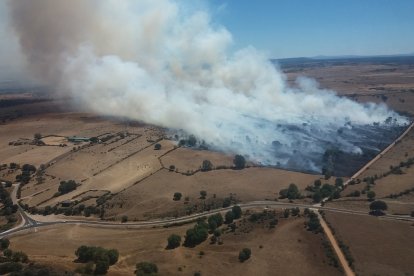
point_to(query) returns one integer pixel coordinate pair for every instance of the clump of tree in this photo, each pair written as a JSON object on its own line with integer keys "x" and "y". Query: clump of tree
{"x": 197, "y": 234}
{"x": 378, "y": 207}
{"x": 245, "y": 254}
{"x": 239, "y": 162}
{"x": 206, "y": 166}
{"x": 177, "y": 196}
{"x": 292, "y": 192}
{"x": 174, "y": 241}
{"x": 101, "y": 257}
{"x": 27, "y": 171}
{"x": 146, "y": 269}
{"x": 67, "y": 186}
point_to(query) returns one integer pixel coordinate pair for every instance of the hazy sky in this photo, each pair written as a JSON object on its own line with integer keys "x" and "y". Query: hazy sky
{"x": 292, "y": 28}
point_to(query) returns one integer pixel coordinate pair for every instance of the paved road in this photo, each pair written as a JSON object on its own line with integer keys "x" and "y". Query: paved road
{"x": 31, "y": 223}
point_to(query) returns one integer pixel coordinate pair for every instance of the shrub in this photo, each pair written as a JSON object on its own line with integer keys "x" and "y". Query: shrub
{"x": 244, "y": 254}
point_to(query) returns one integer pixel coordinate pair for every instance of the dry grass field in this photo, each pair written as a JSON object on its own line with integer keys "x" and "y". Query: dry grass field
{"x": 379, "y": 247}
{"x": 286, "y": 250}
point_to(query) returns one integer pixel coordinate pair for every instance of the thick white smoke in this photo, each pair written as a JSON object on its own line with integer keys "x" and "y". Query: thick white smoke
{"x": 169, "y": 65}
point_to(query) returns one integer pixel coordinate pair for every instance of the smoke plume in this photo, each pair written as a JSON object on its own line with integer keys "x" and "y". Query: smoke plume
{"x": 168, "y": 64}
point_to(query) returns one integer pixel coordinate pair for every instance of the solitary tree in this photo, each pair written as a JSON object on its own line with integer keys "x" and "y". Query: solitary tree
{"x": 157, "y": 146}
{"x": 177, "y": 196}
{"x": 206, "y": 166}
{"x": 244, "y": 254}
{"x": 174, "y": 241}
{"x": 203, "y": 194}
{"x": 378, "y": 205}
{"x": 239, "y": 162}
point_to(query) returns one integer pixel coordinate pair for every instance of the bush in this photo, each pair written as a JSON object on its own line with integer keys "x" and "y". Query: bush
{"x": 244, "y": 254}
{"x": 146, "y": 269}
{"x": 174, "y": 241}
{"x": 239, "y": 162}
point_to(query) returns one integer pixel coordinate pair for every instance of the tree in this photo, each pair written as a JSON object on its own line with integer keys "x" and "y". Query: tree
{"x": 286, "y": 213}
{"x": 19, "y": 256}
{"x": 101, "y": 267}
{"x": 197, "y": 234}
{"x": 239, "y": 162}
{"x": 237, "y": 211}
{"x": 37, "y": 136}
{"x": 317, "y": 197}
{"x": 146, "y": 269}
{"x": 206, "y": 166}
{"x": 229, "y": 217}
{"x": 124, "y": 219}
{"x": 371, "y": 195}
{"x": 4, "y": 243}
{"x": 157, "y": 146}
{"x": 339, "y": 182}
{"x": 67, "y": 186}
{"x": 177, "y": 196}
{"x": 215, "y": 221}
{"x": 94, "y": 140}
{"x": 292, "y": 192}
{"x": 244, "y": 254}
{"x": 7, "y": 253}
{"x": 295, "y": 211}
{"x": 378, "y": 205}
{"x": 113, "y": 256}
{"x": 174, "y": 241}
{"x": 317, "y": 183}
{"x": 203, "y": 194}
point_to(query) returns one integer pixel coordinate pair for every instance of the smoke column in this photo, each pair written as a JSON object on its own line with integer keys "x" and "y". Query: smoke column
{"x": 167, "y": 64}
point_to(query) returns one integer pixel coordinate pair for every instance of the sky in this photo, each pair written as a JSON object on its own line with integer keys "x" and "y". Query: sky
{"x": 300, "y": 28}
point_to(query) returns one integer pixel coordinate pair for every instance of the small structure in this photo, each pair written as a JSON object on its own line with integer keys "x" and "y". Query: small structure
{"x": 75, "y": 139}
